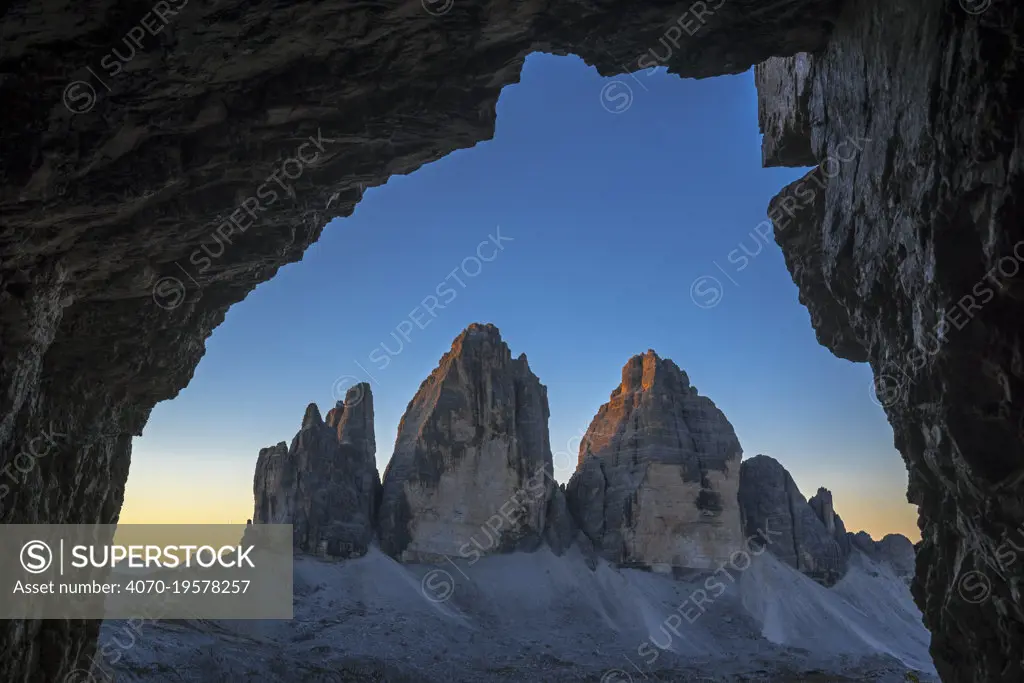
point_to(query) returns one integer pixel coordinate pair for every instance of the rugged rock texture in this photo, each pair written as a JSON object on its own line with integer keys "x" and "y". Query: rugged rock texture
{"x": 658, "y": 473}
{"x": 326, "y": 485}
{"x": 908, "y": 254}
{"x": 472, "y": 471}
{"x": 783, "y": 89}
{"x": 821, "y": 503}
{"x": 559, "y": 529}
{"x": 895, "y": 549}
{"x": 98, "y": 208}
{"x": 814, "y": 538}
{"x": 770, "y": 500}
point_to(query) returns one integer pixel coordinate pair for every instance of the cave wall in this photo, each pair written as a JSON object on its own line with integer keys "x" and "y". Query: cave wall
{"x": 144, "y": 192}
{"x": 161, "y": 160}
{"x": 909, "y": 254}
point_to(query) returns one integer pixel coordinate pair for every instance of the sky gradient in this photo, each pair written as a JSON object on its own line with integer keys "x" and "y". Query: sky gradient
{"x": 615, "y": 202}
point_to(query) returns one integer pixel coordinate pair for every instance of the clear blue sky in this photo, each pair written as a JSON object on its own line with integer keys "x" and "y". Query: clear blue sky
{"x": 612, "y": 216}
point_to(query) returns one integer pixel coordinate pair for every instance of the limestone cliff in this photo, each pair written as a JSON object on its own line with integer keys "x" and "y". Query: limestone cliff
{"x": 326, "y": 484}
{"x": 658, "y": 473}
{"x": 471, "y": 473}
{"x": 770, "y": 500}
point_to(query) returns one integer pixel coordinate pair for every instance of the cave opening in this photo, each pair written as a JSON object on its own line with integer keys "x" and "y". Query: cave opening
{"x": 112, "y": 185}
{"x": 547, "y": 213}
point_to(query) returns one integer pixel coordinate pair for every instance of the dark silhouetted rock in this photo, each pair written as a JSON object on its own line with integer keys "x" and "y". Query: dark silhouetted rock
{"x": 905, "y": 243}
{"x": 326, "y": 484}
{"x": 896, "y": 550}
{"x": 823, "y": 507}
{"x": 771, "y": 502}
{"x": 559, "y": 529}
{"x": 108, "y": 194}
{"x": 783, "y": 88}
{"x": 471, "y": 473}
{"x": 658, "y": 473}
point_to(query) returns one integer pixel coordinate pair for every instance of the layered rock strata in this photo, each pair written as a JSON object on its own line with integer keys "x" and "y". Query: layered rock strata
{"x": 472, "y": 473}
{"x": 905, "y": 243}
{"x": 658, "y": 473}
{"x": 326, "y": 484}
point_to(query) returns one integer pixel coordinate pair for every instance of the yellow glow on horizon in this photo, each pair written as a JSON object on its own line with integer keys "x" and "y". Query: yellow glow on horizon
{"x": 220, "y": 492}
{"x": 175, "y": 490}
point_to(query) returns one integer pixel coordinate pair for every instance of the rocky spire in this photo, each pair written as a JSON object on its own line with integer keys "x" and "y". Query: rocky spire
{"x": 471, "y": 471}
{"x": 658, "y": 472}
{"x": 821, "y": 503}
{"x": 326, "y": 484}
{"x": 352, "y": 418}
{"x": 311, "y": 418}
{"x": 770, "y": 500}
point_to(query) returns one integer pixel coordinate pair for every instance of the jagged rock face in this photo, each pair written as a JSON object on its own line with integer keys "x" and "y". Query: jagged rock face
{"x": 98, "y": 206}
{"x": 821, "y": 503}
{"x": 908, "y": 256}
{"x": 783, "y": 88}
{"x": 559, "y": 528}
{"x": 769, "y": 499}
{"x": 894, "y": 549}
{"x": 352, "y": 419}
{"x": 658, "y": 473}
{"x": 471, "y": 473}
{"x": 326, "y": 484}
{"x": 814, "y": 538}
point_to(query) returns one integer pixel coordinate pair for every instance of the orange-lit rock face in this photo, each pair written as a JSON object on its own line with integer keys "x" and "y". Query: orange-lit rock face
{"x": 658, "y": 473}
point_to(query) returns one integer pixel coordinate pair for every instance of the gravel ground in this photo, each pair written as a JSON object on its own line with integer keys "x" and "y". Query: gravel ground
{"x": 538, "y": 617}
